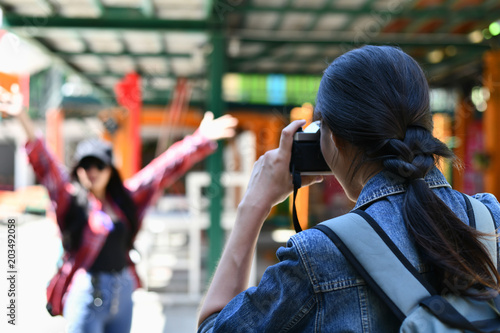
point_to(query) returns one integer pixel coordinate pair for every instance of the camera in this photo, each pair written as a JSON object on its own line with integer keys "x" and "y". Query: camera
{"x": 307, "y": 158}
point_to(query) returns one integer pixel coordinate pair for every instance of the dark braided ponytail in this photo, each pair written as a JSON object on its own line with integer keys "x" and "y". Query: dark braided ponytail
{"x": 377, "y": 99}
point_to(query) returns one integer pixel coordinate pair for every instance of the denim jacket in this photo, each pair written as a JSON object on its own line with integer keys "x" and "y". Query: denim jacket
{"x": 314, "y": 289}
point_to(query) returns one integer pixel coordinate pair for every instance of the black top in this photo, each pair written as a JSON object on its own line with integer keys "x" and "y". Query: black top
{"x": 113, "y": 255}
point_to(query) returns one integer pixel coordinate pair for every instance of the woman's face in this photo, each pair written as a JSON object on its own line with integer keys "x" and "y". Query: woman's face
{"x": 93, "y": 174}
{"x": 328, "y": 147}
{"x": 339, "y": 160}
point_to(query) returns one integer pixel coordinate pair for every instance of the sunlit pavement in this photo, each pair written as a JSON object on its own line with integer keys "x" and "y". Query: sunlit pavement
{"x": 38, "y": 250}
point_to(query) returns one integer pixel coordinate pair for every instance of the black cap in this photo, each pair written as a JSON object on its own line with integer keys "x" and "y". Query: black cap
{"x": 94, "y": 148}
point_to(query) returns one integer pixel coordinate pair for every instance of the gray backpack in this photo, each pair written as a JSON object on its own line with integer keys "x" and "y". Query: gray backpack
{"x": 412, "y": 299}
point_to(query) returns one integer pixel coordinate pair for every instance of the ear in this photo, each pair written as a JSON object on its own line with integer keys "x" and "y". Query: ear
{"x": 339, "y": 142}
{"x": 344, "y": 147}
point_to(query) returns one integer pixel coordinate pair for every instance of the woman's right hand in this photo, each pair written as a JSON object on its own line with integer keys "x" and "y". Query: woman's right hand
{"x": 11, "y": 103}
{"x": 270, "y": 183}
{"x": 271, "y": 180}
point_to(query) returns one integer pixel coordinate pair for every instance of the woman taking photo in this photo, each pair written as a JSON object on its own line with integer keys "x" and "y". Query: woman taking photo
{"x": 99, "y": 217}
{"x": 376, "y": 136}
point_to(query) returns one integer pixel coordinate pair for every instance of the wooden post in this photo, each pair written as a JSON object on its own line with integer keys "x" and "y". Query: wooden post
{"x": 463, "y": 116}
{"x": 491, "y": 122}
{"x": 54, "y": 138}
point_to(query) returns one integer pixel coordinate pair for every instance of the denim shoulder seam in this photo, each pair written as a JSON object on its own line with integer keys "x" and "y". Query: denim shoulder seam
{"x": 318, "y": 322}
{"x": 341, "y": 284}
{"x": 364, "y": 308}
{"x": 305, "y": 262}
{"x": 394, "y": 189}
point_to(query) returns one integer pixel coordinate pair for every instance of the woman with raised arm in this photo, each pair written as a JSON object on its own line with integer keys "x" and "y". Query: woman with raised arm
{"x": 99, "y": 217}
{"x": 376, "y": 136}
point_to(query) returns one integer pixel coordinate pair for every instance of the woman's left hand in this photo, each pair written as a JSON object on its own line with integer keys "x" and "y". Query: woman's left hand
{"x": 220, "y": 128}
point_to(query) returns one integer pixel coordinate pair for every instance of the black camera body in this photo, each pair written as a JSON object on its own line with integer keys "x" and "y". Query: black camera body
{"x": 307, "y": 158}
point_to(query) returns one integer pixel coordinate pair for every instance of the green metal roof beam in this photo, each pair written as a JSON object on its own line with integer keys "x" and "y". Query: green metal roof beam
{"x": 158, "y": 96}
{"x": 476, "y": 12}
{"x": 145, "y": 75}
{"x": 352, "y": 40}
{"x": 124, "y": 13}
{"x": 432, "y": 70}
{"x": 106, "y": 22}
{"x": 129, "y": 54}
{"x": 166, "y": 101}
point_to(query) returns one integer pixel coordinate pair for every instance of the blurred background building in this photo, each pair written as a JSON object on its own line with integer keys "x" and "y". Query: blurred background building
{"x": 140, "y": 73}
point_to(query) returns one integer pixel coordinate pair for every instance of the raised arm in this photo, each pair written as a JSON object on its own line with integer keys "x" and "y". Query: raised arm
{"x": 178, "y": 159}
{"x": 50, "y": 172}
{"x": 270, "y": 184}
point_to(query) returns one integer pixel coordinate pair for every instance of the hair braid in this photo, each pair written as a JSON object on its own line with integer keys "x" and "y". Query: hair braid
{"x": 444, "y": 240}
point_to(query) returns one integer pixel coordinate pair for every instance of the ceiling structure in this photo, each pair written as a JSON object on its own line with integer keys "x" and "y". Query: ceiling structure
{"x": 102, "y": 40}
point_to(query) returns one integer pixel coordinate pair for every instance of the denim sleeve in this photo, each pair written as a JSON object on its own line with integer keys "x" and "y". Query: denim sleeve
{"x": 284, "y": 301}
{"x": 494, "y": 206}
{"x": 208, "y": 324}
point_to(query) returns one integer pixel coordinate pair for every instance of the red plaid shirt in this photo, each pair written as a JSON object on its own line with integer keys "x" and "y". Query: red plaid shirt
{"x": 145, "y": 187}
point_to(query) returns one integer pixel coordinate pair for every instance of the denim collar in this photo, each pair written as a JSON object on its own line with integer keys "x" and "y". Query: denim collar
{"x": 386, "y": 183}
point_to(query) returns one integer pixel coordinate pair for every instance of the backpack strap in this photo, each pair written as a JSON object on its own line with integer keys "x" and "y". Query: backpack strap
{"x": 378, "y": 260}
{"x": 387, "y": 271}
{"x": 480, "y": 217}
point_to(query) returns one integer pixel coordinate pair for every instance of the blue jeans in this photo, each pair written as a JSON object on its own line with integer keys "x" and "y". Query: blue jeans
{"x": 103, "y": 306}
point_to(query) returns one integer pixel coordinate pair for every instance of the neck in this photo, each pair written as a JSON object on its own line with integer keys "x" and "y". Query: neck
{"x": 368, "y": 173}
{"x": 353, "y": 188}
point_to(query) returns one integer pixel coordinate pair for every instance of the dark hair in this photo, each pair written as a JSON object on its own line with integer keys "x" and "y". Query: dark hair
{"x": 377, "y": 99}
{"x": 120, "y": 196}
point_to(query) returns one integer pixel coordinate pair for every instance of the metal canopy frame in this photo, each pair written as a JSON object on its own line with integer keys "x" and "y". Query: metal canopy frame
{"x": 294, "y": 34}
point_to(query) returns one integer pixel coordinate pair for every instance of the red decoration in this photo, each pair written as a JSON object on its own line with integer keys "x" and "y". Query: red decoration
{"x": 128, "y": 94}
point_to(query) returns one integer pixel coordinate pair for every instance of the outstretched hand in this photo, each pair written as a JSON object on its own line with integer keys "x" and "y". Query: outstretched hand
{"x": 11, "y": 103}
{"x": 220, "y": 128}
